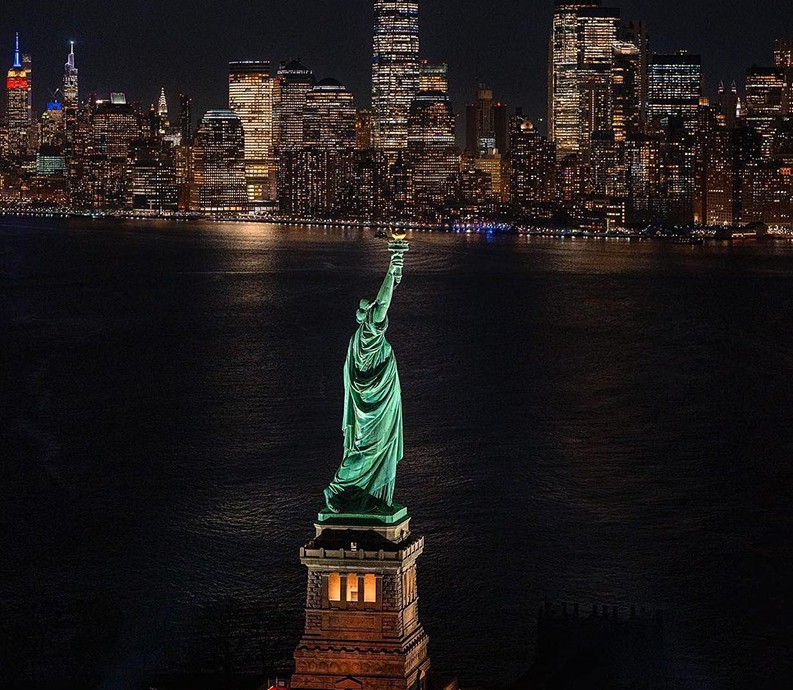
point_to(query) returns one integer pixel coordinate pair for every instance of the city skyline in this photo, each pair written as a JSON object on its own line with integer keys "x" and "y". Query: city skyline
{"x": 195, "y": 59}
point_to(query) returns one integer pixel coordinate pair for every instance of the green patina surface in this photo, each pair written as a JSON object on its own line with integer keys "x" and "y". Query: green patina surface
{"x": 363, "y": 486}
{"x": 395, "y": 515}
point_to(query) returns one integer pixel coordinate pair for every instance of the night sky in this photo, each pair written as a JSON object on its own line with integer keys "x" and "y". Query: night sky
{"x": 136, "y": 46}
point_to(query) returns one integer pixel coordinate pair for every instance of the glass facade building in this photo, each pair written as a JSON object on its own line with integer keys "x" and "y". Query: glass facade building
{"x": 251, "y": 97}
{"x": 395, "y": 72}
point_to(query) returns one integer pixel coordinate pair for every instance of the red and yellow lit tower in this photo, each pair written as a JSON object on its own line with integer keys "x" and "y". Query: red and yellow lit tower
{"x": 20, "y": 106}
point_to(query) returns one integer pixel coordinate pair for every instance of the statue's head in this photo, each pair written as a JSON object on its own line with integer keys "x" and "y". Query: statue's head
{"x": 363, "y": 309}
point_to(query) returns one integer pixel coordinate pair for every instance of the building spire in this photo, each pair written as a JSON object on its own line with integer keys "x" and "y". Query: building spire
{"x": 17, "y": 59}
{"x": 70, "y": 59}
{"x": 162, "y": 104}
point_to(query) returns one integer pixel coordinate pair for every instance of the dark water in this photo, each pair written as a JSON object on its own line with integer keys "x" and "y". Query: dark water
{"x": 585, "y": 421}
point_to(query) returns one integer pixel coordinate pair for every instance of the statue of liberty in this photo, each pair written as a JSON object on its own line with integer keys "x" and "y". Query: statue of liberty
{"x": 372, "y": 423}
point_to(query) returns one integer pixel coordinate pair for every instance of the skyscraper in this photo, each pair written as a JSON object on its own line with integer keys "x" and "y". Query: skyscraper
{"x": 294, "y": 82}
{"x": 251, "y": 91}
{"x": 432, "y": 151}
{"x": 70, "y": 84}
{"x": 219, "y": 163}
{"x": 162, "y": 106}
{"x": 674, "y": 89}
{"x": 20, "y": 104}
{"x": 765, "y": 90}
{"x": 579, "y": 68}
{"x": 71, "y": 97}
{"x": 329, "y": 117}
{"x": 395, "y": 72}
{"x": 783, "y": 59}
{"x": 626, "y": 91}
{"x": 186, "y": 118}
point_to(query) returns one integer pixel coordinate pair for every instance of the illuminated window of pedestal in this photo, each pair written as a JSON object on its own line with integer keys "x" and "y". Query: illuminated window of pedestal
{"x": 369, "y": 588}
{"x": 334, "y": 587}
{"x": 352, "y": 587}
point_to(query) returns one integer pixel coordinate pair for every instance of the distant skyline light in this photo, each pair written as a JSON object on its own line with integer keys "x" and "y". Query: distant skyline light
{"x": 506, "y": 49}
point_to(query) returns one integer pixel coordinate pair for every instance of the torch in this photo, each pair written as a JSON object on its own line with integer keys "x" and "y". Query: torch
{"x": 398, "y": 248}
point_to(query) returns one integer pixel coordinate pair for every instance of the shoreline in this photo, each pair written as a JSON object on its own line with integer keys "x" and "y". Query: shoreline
{"x": 688, "y": 236}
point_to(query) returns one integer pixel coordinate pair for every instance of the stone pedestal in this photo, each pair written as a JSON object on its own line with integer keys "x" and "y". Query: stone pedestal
{"x": 362, "y": 626}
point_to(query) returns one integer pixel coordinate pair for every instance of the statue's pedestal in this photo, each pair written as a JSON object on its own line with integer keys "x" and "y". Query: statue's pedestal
{"x": 362, "y": 627}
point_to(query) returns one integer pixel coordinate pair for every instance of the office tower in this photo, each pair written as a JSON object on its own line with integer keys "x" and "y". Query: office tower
{"x": 71, "y": 97}
{"x": 162, "y": 107}
{"x": 480, "y": 123}
{"x": 765, "y": 90}
{"x": 674, "y": 89}
{"x": 532, "y": 164}
{"x": 98, "y": 155}
{"x": 151, "y": 175}
{"x": 186, "y": 118}
{"x": 219, "y": 170}
{"x": 716, "y": 194}
{"x": 767, "y": 193}
{"x": 395, "y": 72}
{"x": 644, "y": 169}
{"x": 433, "y": 77}
{"x": 579, "y": 69}
{"x": 501, "y": 125}
{"x": 71, "y": 94}
{"x": 783, "y": 59}
{"x": 251, "y": 96}
{"x": 19, "y": 112}
{"x": 314, "y": 179}
{"x": 295, "y": 80}
{"x": 329, "y": 117}
{"x": 635, "y": 33}
{"x": 363, "y": 129}
{"x": 626, "y": 91}
{"x": 50, "y": 161}
{"x": 52, "y": 125}
{"x": 606, "y": 161}
{"x": 368, "y": 191}
{"x": 116, "y": 125}
{"x": 728, "y": 104}
{"x": 486, "y": 127}
{"x": 432, "y": 152}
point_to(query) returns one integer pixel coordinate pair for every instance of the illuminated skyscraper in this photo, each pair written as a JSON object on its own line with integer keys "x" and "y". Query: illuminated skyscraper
{"x": 162, "y": 106}
{"x": 219, "y": 163}
{"x": 52, "y": 125}
{"x": 251, "y": 91}
{"x": 626, "y": 91}
{"x": 532, "y": 166}
{"x": 395, "y": 71}
{"x": 71, "y": 98}
{"x": 765, "y": 89}
{"x": 329, "y": 117}
{"x": 783, "y": 59}
{"x": 70, "y": 85}
{"x": 432, "y": 151}
{"x": 20, "y": 104}
{"x": 186, "y": 118}
{"x": 363, "y": 129}
{"x": 294, "y": 82}
{"x": 579, "y": 69}
{"x": 635, "y": 33}
{"x": 674, "y": 89}
{"x": 313, "y": 179}
{"x": 433, "y": 77}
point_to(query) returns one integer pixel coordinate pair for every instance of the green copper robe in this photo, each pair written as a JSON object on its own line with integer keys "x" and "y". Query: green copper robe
{"x": 372, "y": 425}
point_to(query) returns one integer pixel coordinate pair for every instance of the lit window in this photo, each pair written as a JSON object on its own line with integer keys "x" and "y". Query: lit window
{"x": 334, "y": 587}
{"x": 369, "y": 588}
{"x": 352, "y": 587}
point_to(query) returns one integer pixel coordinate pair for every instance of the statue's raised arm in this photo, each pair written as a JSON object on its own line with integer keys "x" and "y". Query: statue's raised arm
{"x": 372, "y": 424}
